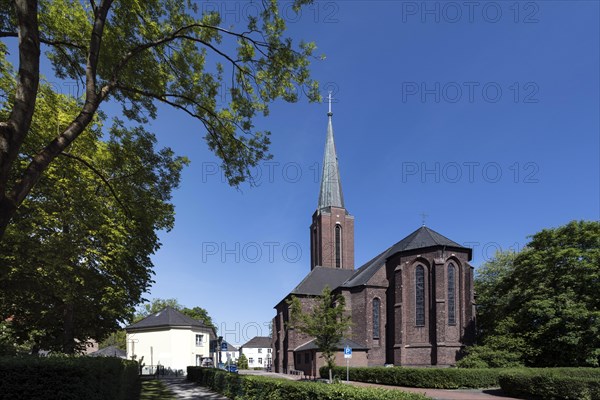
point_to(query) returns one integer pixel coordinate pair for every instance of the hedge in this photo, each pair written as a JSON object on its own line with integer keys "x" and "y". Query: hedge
{"x": 68, "y": 378}
{"x": 553, "y": 383}
{"x": 249, "y": 387}
{"x": 432, "y": 378}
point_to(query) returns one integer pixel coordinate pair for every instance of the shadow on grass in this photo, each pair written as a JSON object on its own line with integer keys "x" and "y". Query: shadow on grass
{"x": 155, "y": 390}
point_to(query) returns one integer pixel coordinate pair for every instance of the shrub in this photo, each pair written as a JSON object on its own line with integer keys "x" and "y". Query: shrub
{"x": 488, "y": 357}
{"x": 68, "y": 378}
{"x": 260, "y": 388}
{"x": 435, "y": 378}
{"x": 553, "y": 383}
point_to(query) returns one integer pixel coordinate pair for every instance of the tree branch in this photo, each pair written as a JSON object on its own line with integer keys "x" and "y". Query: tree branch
{"x": 104, "y": 179}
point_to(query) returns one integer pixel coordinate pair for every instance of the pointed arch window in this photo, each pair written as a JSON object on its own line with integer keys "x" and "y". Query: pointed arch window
{"x": 451, "y": 294}
{"x": 420, "y": 296}
{"x": 376, "y": 317}
{"x": 338, "y": 246}
{"x": 315, "y": 247}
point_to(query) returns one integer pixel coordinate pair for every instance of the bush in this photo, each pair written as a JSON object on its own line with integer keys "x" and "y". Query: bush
{"x": 488, "y": 357}
{"x": 433, "y": 378}
{"x": 258, "y": 388}
{"x": 68, "y": 378}
{"x": 553, "y": 383}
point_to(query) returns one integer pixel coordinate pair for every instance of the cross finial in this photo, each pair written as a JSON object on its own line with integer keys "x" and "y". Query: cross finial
{"x": 423, "y": 218}
{"x": 329, "y": 98}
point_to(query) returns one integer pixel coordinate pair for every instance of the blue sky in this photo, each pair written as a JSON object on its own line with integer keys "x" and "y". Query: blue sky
{"x": 482, "y": 115}
{"x": 486, "y": 119}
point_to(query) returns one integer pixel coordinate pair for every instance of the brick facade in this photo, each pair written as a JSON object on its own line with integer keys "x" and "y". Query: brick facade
{"x": 322, "y": 234}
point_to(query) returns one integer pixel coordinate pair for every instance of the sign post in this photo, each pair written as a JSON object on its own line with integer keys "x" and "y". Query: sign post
{"x": 347, "y": 356}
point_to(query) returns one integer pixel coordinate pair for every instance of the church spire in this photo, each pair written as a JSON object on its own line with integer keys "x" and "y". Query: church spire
{"x": 330, "y": 194}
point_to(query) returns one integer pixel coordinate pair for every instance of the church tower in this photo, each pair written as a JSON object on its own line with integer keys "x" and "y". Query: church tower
{"x": 332, "y": 228}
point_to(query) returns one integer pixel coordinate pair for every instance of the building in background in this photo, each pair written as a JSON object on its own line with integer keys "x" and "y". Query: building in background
{"x": 170, "y": 339}
{"x": 258, "y": 351}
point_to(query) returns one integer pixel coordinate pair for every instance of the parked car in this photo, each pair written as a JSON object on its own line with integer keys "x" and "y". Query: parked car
{"x": 206, "y": 362}
{"x": 231, "y": 368}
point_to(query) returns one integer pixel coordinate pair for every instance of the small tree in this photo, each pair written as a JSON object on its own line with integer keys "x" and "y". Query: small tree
{"x": 326, "y": 322}
{"x": 242, "y": 362}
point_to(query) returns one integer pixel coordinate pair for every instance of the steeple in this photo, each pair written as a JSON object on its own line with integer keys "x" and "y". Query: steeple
{"x": 330, "y": 194}
{"x": 332, "y": 228}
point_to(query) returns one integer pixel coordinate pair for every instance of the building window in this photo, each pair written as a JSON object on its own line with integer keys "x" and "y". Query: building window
{"x": 306, "y": 358}
{"x": 451, "y": 295}
{"x": 260, "y": 361}
{"x": 315, "y": 247}
{"x": 251, "y": 360}
{"x": 298, "y": 358}
{"x": 268, "y": 350}
{"x": 260, "y": 350}
{"x": 338, "y": 246}
{"x": 376, "y": 318}
{"x": 420, "y": 296}
{"x": 199, "y": 340}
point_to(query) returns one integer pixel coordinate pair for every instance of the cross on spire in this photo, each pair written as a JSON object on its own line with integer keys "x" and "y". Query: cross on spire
{"x": 329, "y": 98}
{"x": 423, "y": 218}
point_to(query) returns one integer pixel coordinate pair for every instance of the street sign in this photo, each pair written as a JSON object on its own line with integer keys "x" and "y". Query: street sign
{"x": 224, "y": 346}
{"x": 347, "y": 352}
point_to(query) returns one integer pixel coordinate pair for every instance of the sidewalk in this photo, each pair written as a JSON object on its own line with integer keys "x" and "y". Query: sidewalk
{"x": 444, "y": 394}
{"x": 185, "y": 390}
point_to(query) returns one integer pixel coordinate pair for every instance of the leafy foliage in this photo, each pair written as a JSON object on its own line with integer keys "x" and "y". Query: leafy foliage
{"x": 242, "y": 362}
{"x": 552, "y": 383}
{"x": 57, "y": 378}
{"x": 435, "y": 378}
{"x": 541, "y": 307}
{"x": 327, "y": 322}
{"x": 236, "y": 386}
{"x": 141, "y": 53}
{"x": 76, "y": 259}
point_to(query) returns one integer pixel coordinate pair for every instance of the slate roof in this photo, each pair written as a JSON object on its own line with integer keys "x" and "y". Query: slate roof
{"x": 230, "y": 347}
{"x": 419, "y": 239}
{"x": 340, "y": 346}
{"x": 110, "y": 351}
{"x": 258, "y": 342}
{"x": 319, "y": 277}
{"x": 167, "y": 317}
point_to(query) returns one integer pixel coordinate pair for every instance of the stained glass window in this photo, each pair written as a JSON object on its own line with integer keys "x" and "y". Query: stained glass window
{"x": 338, "y": 246}
{"x": 420, "y": 296}
{"x": 376, "y": 318}
{"x": 451, "y": 295}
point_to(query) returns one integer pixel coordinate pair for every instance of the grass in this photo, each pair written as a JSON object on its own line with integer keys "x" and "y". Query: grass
{"x": 155, "y": 390}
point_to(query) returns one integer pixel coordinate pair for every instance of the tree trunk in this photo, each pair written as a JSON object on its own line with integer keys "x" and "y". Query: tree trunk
{"x": 68, "y": 329}
{"x": 330, "y": 375}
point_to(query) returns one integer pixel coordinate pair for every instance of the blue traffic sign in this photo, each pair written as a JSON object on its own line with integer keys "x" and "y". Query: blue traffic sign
{"x": 224, "y": 346}
{"x": 347, "y": 352}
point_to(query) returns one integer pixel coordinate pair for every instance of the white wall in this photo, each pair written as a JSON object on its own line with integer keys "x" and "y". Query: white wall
{"x": 234, "y": 356}
{"x": 173, "y": 348}
{"x": 255, "y": 354}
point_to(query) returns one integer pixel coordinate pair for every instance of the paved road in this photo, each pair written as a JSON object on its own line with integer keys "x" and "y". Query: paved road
{"x": 441, "y": 394}
{"x": 185, "y": 390}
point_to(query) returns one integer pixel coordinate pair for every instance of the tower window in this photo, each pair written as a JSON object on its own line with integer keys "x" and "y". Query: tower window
{"x": 338, "y": 246}
{"x": 420, "y": 296}
{"x": 315, "y": 247}
{"x": 376, "y": 318}
{"x": 451, "y": 295}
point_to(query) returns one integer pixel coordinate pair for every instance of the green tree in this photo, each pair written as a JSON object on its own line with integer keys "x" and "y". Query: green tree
{"x": 327, "y": 322}
{"x": 117, "y": 338}
{"x": 242, "y": 362}
{"x": 140, "y": 53}
{"x": 76, "y": 259}
{"x": 541, "y": 307}
{"x": 156, "y": 305}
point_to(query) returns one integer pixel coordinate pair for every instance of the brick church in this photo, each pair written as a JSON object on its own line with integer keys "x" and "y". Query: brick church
{"x": 412, "y": 304}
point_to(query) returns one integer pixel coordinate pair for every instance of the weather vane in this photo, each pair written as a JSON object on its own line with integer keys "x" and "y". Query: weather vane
{"x": 423, "y": 218}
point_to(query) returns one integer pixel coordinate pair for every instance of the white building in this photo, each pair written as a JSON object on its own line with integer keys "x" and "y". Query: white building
{"x": 170, "y": 339}
{"x": 228, "y": 351}
{"x": 258, "y": 352}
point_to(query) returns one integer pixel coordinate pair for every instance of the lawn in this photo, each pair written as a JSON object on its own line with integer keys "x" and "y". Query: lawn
{"x": 155, "y": 390}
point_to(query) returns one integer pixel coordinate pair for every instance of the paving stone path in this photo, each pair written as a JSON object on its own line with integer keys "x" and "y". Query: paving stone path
{"x": 185, "y": 390}
{"x": 441, "y": 394}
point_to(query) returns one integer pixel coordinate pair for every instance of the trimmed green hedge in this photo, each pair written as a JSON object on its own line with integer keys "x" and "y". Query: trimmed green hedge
{"x": 247, "y": 387}
{"x": 553, "y": 383}
{"x": 433, "y": 378}
{"x": 68, "y": 378}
